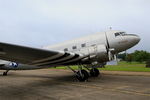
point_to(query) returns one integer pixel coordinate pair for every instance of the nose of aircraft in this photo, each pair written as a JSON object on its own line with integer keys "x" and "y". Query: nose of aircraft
{"x": 136, "y": 39}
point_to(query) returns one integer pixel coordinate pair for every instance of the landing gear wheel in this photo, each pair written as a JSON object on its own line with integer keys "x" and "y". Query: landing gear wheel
{"x": 82, "y": 75}
{"x": 94, "y": 72}
{"x": 4, "y": 73}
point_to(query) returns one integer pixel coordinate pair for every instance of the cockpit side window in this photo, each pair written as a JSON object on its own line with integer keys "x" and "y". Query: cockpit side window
{"x": 120, "y": 34}
{"x": 117, "y": 34}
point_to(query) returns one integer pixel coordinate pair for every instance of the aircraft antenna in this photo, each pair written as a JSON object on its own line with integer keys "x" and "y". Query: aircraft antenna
{"x": 110, "y": 28}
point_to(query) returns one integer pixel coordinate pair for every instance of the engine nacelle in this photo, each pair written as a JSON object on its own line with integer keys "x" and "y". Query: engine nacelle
{"x": 95, "y": 53}
{"x": 102, "y": 54}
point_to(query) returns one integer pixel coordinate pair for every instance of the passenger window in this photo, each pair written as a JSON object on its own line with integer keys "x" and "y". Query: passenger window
{"x": 66, "y": 49}
{"x": 74, "y": 47}
{"x": 83, "y": 45}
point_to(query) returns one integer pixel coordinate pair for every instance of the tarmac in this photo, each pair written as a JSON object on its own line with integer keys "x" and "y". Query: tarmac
{"x": 59, "y": 84}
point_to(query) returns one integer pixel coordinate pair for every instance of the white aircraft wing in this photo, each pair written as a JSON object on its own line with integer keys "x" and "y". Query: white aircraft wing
{"x": 35, "y": 56}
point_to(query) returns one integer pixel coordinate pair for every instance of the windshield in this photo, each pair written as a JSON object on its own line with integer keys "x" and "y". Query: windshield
{"x": 120, "y": 33}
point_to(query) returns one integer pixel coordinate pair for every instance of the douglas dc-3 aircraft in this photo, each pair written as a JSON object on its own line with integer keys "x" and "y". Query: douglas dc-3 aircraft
{"x": 89, "y": 52}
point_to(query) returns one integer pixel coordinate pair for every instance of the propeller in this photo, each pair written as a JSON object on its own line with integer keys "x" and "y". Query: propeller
{"x": 111, "y": 56}
{"x": 109, "y": 50}
{"x": 116, "y": 58}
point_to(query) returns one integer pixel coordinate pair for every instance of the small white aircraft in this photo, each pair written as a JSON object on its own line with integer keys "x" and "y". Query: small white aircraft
{"x": 90, "y": 52}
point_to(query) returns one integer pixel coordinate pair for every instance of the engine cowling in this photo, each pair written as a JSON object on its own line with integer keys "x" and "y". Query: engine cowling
{"x": 95, "y": 53}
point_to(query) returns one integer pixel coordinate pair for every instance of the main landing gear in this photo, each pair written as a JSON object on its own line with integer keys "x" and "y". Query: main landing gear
{"x": 5, "y": 73}
{"x": 94, "y": 72}
{"x": 83, "y": 75}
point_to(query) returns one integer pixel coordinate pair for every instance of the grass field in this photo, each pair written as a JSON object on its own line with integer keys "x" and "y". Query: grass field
{"x": 122, "y": 66}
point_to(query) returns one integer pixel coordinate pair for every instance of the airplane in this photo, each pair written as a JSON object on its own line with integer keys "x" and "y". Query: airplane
{"x": 88, "y": 53}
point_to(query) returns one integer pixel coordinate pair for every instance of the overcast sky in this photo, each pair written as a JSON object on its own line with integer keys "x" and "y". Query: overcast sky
{"x": 42, "y": 22}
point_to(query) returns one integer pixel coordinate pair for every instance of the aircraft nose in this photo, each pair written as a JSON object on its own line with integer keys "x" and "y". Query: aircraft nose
{"x": 136, "y": 39}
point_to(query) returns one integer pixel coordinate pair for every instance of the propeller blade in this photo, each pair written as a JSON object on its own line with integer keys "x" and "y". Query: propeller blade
{"x": 110, "y": 55}
{"x": 116, "y": 58}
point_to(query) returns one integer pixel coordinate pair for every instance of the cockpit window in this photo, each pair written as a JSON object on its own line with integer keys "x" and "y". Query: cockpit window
{"x": 120, "y": 34}
{"x": 117, "y": 34}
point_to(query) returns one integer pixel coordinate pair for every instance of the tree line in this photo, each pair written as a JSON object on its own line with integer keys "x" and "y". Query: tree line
{"x": 137, "y": 55}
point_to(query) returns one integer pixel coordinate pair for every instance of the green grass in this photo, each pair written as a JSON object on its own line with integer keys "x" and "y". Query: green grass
{"x": 122, "y": 66}
{"x": 63, "y": 67}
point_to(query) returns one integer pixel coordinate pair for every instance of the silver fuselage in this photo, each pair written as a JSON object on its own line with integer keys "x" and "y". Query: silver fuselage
{"x": 97, "y": 44}
{"x": 118, "y": 43}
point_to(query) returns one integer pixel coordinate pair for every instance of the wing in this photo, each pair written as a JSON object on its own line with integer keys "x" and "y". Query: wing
{"x": 35, "y": 56}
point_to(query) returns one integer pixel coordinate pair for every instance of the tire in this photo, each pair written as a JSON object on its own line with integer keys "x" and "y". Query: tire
{"x": 94, "y": 72}
{"x": 82, "y": 77}
{"x": 4, "y": 74}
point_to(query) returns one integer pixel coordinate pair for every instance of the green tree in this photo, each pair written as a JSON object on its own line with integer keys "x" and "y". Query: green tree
{"x": 129, "y": 58}
{"x": 137, "y": 55}
{"x": 122, "y": 56}
{"x": 140, "y": 56}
